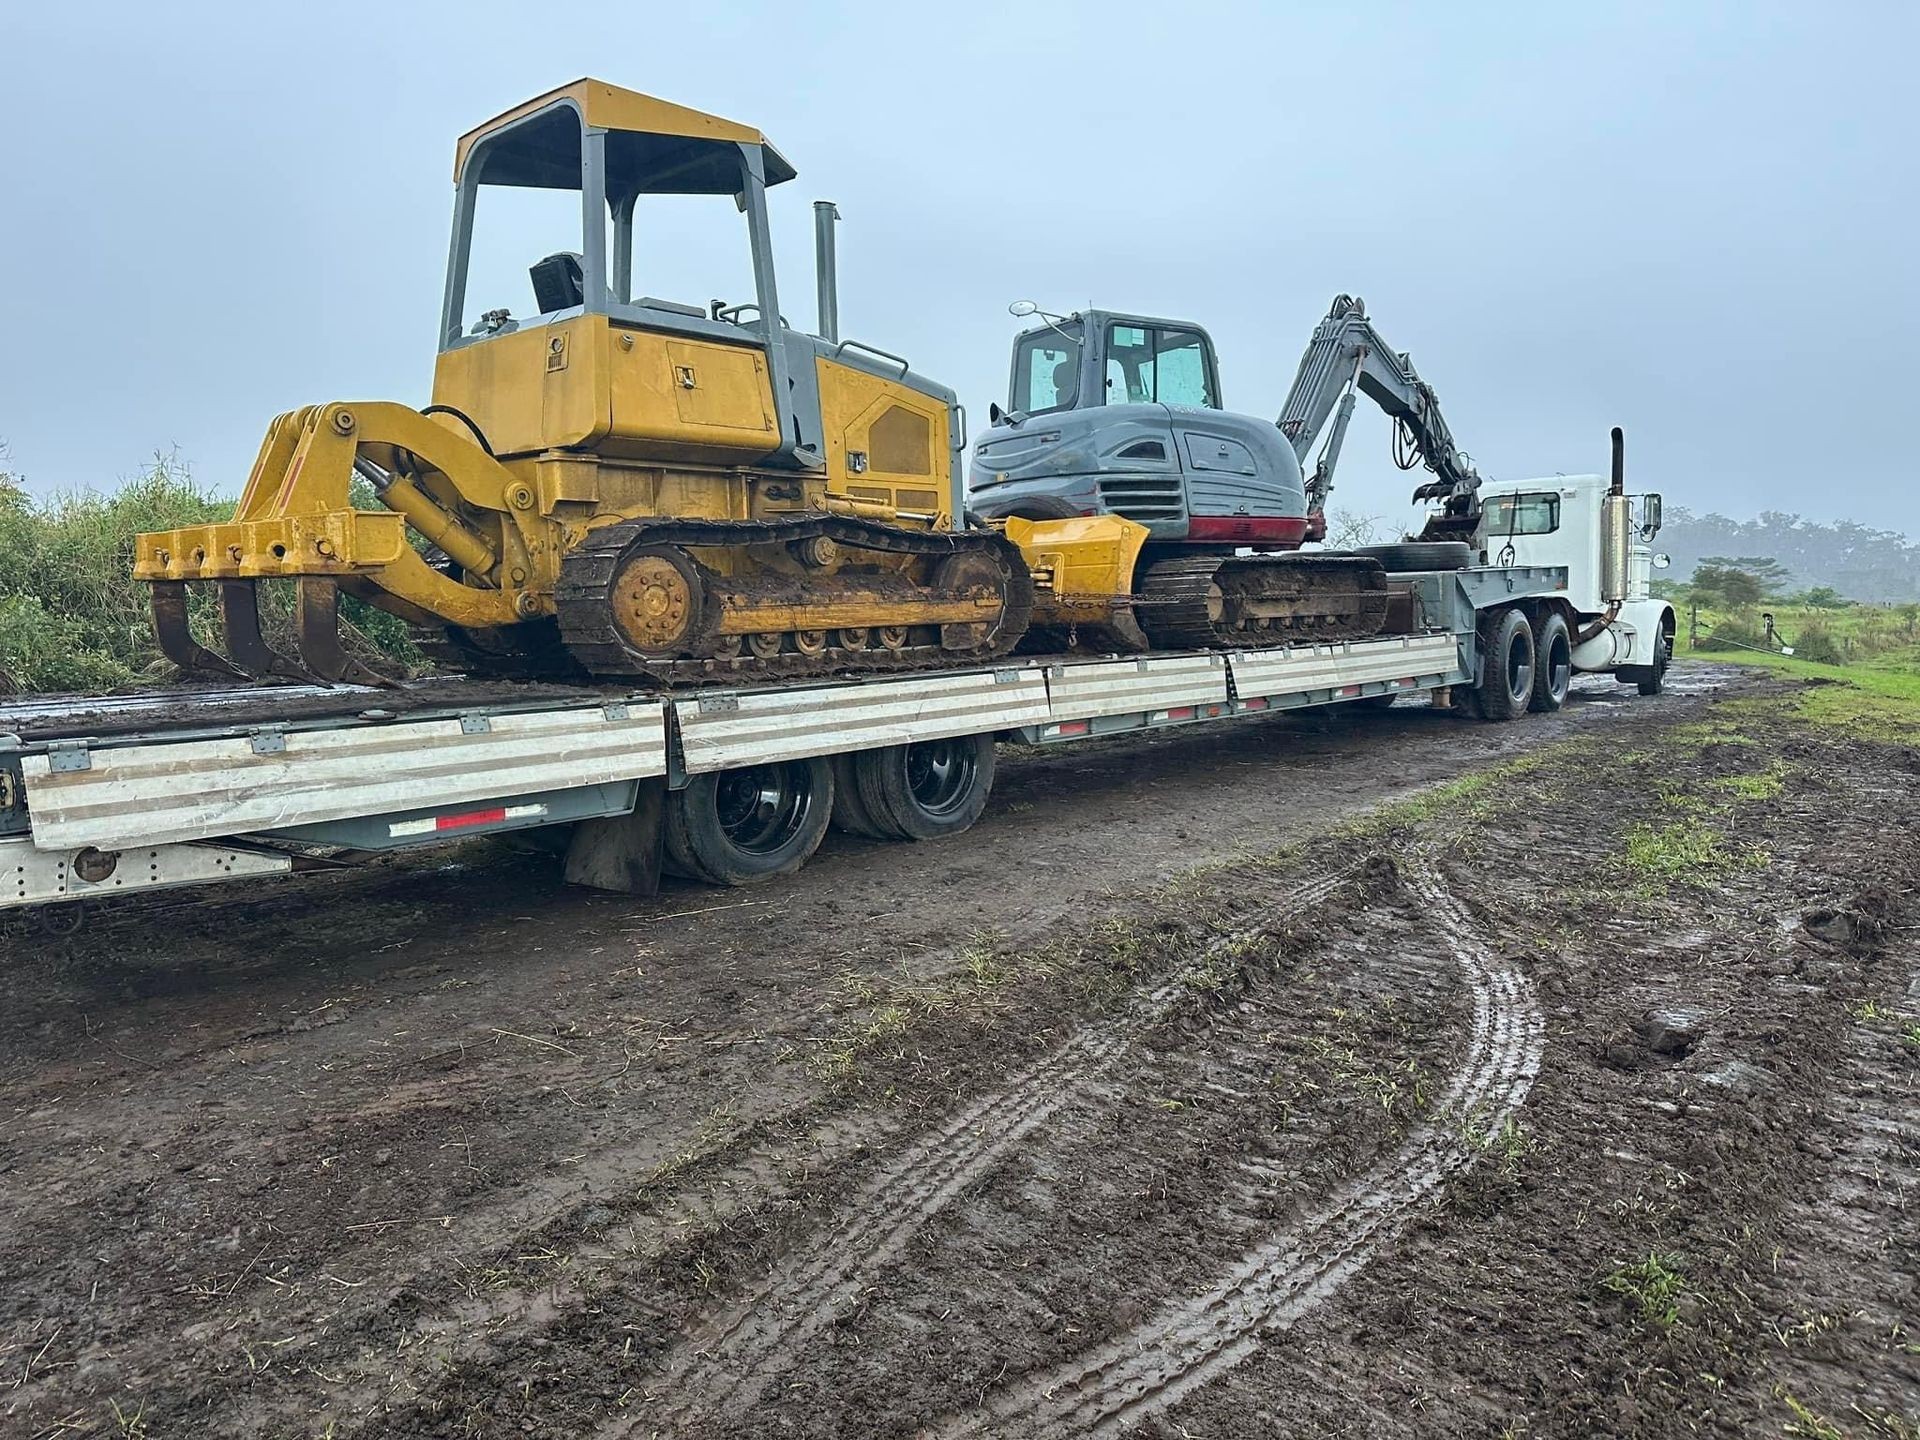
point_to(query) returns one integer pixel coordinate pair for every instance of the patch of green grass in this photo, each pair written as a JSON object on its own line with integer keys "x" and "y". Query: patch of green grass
{"x": 1685, "y": 852}
{"x": 1654, "y": 1285}
{"x": 1763, "y": 785}
{"x": 1911, "y": 1035}
{"x": 1509, "y": 1145}
{"x": 1878, "y": 699}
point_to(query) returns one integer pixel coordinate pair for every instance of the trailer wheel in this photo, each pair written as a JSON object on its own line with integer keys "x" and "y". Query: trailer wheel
{"x": 928, "y": 790}
{"x": 849, "y": 810}
{"x": 739, "y": 827}
{"x": 1506, "y": 665}
{"x": 1552, "y": 663}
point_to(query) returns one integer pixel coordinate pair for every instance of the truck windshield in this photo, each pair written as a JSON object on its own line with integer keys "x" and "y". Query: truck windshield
{"x": 1046, "y": 370}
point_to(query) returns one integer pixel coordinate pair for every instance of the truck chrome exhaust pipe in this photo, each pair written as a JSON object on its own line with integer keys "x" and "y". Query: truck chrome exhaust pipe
{"x": 826, "y": 269}
{"x": 1615, "y": 525}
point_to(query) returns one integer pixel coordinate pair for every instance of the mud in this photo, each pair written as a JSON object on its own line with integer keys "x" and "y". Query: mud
{"x": 1187, "y": 1095}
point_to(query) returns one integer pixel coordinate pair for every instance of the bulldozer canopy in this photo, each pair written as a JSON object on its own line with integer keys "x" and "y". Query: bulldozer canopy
{"x": 653, "y": 146}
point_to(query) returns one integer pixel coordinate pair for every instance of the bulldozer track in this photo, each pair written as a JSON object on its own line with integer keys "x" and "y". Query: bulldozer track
{"x": 1189, "y": 1342}
{"x": 728, "y": 1364}
{"x": 587, "y": 630}
{"x": 1177, "y": 598}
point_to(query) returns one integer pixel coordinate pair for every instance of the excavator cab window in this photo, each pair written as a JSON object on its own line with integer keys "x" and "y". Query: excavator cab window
{"x": 1046, "y": 370}
{"x": 1150, "y": 365}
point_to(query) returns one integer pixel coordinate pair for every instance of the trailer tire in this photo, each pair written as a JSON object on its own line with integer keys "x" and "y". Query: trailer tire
{"x": 1506, "y": 665}
{"x": 850, "y": 812}
{"x": 928, "y": 790}
{"x": 1552, "y": 663}
{"x": 1409, "y": 555}
{"x": 740, "y": 827}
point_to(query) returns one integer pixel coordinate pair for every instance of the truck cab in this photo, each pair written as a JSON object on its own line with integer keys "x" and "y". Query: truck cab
{"x": 1604, "y": 541}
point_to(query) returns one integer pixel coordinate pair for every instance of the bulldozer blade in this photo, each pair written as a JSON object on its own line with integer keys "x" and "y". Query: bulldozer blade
{"x": 240, "y": 622}
{"x": 317, "y": 622}
{"x": 171, "y": 629}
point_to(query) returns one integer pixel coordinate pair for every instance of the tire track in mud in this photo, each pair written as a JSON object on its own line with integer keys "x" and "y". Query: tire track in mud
{"x": 728, "y": 1363}
{"x": 1189, "y": 1342}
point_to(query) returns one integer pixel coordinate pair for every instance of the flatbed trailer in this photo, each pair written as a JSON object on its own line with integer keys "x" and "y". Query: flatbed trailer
{"x": 107, "y": 796}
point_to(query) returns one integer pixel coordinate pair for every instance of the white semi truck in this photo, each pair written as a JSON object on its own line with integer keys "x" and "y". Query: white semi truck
{"x": 106, "y": 796}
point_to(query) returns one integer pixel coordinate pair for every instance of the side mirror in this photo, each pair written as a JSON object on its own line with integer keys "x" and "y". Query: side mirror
{"x": 1649, "y": 516}
{"x": 1662, "y": 562}
{"x": 994, "y": 413}
{"x": 1023, "y": 308}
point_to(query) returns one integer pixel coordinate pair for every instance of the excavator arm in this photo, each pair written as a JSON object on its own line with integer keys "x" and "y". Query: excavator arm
{"x": 1345, "y": 356}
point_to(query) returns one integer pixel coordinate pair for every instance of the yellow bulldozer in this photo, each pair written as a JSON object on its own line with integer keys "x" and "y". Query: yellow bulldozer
{"x": 618, "y": 485}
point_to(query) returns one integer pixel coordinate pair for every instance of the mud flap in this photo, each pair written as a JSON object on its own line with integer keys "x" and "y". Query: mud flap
{"x": 621, "y": 853}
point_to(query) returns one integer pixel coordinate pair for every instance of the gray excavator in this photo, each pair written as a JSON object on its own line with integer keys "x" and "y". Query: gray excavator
{"x": 1117, "y": 414}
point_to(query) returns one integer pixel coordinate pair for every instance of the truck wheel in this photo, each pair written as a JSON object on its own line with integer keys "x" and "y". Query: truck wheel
{"x": 1552, "y": 663}
{"x": 1506, "y": 665}
{"x": 849, "y": 810}
{"x": 739, "y": 827}
{"x": 1420, "y": 555}
{"x": 1655, "y": 678}
{"x": 928, "y": 790}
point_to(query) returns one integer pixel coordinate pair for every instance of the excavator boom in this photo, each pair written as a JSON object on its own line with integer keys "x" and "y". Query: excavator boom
{"x": 1347, "y": 355}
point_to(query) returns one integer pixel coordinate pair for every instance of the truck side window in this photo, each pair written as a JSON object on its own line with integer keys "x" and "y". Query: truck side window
{"x": 1531, "y": 513}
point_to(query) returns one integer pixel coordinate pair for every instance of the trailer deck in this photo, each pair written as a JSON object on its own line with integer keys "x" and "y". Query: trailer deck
{"x": 180, "y": 787}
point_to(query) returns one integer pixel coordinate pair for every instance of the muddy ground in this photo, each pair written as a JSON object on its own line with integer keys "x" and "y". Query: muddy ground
{"x": 1384, "y": 1075}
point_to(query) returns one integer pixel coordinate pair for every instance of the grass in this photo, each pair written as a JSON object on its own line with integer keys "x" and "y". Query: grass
{"x": 1685, "y": 852}
{"x": 1875, "y": 694}
{"x": 1654, "y": 1286}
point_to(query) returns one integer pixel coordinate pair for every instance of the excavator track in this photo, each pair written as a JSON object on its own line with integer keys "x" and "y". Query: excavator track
{"x": 1229, "y": 601}
{"x": 596, "y": 645}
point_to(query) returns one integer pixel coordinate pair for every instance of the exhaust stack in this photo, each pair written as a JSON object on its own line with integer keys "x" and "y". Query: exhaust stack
{"x": 1614, "y": 526}
{"x": 826, "y": 269}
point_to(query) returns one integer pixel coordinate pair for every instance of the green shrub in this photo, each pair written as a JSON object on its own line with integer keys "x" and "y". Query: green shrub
{"x": 73, "y": 618}
{"x": 1816, "y": 643}
{"x": 1733, "y": 630}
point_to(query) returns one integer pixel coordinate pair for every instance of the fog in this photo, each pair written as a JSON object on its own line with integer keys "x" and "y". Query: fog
{"x": 1693, "y": 221}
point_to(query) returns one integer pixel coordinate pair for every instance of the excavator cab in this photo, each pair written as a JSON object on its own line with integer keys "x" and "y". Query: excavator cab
{"x": 1116, "y": 414}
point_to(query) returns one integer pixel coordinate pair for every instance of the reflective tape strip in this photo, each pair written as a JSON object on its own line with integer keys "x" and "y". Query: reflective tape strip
{"x": 439, "y": 824}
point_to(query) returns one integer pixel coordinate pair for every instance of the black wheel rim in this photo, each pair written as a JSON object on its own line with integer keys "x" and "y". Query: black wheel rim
{"x": 1519, "y": 669}
{"x": 940, "y": 774}
{"x": 1560, "y": 664}
{"x": 763, "y": 807}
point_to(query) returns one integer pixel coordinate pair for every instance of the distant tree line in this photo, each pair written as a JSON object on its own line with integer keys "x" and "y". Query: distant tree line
{"x": 1842, "y": 558}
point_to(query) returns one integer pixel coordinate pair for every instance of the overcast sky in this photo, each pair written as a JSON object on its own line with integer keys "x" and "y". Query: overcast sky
{"x": 1693, "y": 220}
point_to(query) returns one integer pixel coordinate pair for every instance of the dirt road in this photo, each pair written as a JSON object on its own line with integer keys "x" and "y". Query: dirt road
{"x": 1193, "y": 1093}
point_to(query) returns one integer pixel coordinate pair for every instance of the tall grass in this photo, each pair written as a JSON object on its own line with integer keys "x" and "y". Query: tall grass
{"x": 72, "y": 618}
